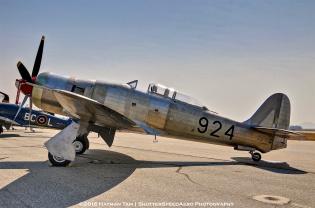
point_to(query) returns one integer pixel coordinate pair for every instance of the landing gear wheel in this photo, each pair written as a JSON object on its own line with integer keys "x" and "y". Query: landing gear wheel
{"x": 256, "y": 156}
{"x": 1, "y": 129}
{"x": 58, "y": 161}
{"x": 81, "y": 144}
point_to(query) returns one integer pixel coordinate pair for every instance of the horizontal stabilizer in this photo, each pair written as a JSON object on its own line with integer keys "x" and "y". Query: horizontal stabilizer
{"x": 278, "y": 132}
{"x": 305, "y": 136}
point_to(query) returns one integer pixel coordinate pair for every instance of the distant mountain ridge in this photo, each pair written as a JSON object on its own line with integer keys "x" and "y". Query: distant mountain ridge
{"x": 305, "y": 125}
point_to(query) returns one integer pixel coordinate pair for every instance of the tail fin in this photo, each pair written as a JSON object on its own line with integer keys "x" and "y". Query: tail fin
{"x": 273, "y": 113}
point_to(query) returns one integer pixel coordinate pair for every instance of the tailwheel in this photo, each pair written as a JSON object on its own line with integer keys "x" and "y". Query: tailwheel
{"x": 81, "y": 144}
{"x": 58, "y": 161}
{"x": 256, "y": 156}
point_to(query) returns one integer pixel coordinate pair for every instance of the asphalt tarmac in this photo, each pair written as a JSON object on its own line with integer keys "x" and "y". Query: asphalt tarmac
{"x": 137, "y": 172}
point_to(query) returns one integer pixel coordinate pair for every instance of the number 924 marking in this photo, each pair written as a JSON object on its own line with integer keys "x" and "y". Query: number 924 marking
{"x": 203, "y": 127}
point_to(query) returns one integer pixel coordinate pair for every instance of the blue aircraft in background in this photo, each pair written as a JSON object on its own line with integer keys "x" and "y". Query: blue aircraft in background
{"x": 15, "y": 115}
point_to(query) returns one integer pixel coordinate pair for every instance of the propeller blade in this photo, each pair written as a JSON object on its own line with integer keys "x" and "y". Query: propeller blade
{"x": 38, "y": 59}
{"x": 24, "y": 73}
{"x": 6, "y": 98}
{"x": 21, "y": 106}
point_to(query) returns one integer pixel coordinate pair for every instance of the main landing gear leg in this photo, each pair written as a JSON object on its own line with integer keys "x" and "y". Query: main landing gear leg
{"x": 256, "y": 156}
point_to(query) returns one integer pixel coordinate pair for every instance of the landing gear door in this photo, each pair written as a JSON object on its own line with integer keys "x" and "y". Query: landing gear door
{"x": 157, "y": 114}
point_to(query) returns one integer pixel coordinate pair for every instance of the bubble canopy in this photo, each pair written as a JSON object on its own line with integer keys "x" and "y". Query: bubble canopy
{"x": 171, "y": 93}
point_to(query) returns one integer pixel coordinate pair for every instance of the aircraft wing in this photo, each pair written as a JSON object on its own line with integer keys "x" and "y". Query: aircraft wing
{"x": 147, "y": 129}
{"x": 278, "y": 132}
{"x": 8, "y": 121}
{"x": 89, "y": 110}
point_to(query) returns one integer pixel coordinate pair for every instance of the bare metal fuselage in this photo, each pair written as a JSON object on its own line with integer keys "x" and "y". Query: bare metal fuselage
{"x": 171, "y": 117}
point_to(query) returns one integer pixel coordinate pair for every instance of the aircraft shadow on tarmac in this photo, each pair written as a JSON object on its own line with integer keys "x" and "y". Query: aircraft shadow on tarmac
{"x": 11, "y": 135}
{"x": 2, "y": 136}
{"x": 276, "y": 167}
{"x": 92, "y": 174}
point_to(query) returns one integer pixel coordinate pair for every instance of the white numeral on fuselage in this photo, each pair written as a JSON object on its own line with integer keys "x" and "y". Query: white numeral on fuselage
{"x": 33, "y": 118}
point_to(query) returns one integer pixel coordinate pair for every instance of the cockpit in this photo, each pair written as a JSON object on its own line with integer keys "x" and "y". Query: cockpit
{"x": 171, "y": 93}
{"x": 162, "y": 90}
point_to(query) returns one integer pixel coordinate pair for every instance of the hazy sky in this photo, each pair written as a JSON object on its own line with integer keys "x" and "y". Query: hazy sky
{"x": 231, "y": 55}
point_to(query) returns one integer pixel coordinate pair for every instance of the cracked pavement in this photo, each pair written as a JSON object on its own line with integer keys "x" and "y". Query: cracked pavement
{"x": 137, "y": 170}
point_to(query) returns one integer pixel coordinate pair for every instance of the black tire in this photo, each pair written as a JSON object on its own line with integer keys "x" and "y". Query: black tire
{"x": 1, "y": 129}
{"x": 256, "y": 156}
{"x": 81, "y": 144}
{"x": 58, "y": 162}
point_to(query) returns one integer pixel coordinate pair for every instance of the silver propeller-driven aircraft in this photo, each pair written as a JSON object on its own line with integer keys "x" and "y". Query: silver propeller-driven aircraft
{"x": 104, "y": 108}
